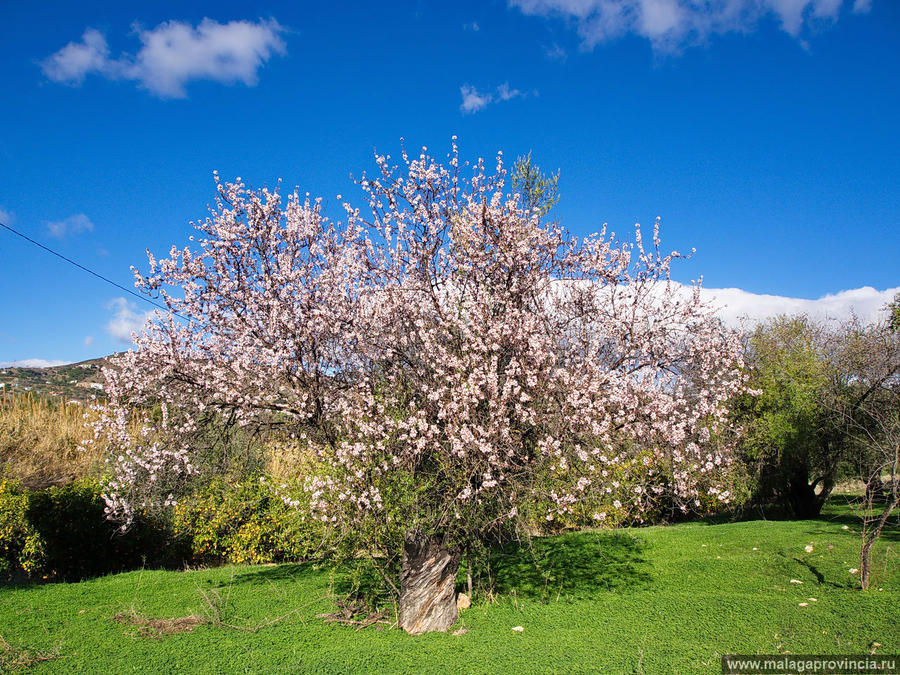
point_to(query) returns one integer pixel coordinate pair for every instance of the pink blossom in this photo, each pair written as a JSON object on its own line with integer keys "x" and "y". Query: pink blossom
{"x": 442, "y": 333}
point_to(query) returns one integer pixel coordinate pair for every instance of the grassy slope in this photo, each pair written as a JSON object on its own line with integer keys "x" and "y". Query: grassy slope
{"x": 672, "y": 600}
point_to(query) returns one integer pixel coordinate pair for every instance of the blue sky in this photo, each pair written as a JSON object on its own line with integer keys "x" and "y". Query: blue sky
{"x": 763, "y": 132}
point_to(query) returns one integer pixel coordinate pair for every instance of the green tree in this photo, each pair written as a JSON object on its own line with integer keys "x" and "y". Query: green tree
{"x": 893, "y": 309}
{"x": 792, "y": 440}
{"x": 539, "y": 190}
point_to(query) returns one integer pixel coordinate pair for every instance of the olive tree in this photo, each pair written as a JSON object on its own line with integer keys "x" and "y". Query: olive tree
{"x": 793, "y": 442}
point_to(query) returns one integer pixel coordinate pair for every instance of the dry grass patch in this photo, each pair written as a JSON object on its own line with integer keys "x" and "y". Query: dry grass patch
{"x": 15, "y": 658}
{"x": 159, "y": 628}
{"x": 40, "y": 440}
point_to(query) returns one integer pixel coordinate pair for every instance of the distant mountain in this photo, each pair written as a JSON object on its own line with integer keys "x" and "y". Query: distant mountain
{"x": 74, "y": 381}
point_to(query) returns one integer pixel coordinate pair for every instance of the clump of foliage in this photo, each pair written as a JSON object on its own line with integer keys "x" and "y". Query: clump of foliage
{"x": 539, "y": 192}
{"x": 20, "y": 546}
{"x": 794, "y": 445}
{"x": 246, "y": 521}
{"x": 62, "y": 533}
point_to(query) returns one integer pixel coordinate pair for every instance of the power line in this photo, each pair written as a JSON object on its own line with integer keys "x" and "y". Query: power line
{"x": 92, "y": 272}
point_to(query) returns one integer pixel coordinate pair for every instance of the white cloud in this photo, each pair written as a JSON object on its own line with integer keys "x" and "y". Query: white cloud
{"x": 474, "y": 100}
{"x": 72, "y": 63}
{"x": 744, "y": 310}
{"x": 737, "y": 305}
{"x": 6, "y": 217}
{"x": 173, "y": 54}
{"x": 504, "y": 93}
{"x": 74, "y": 224}
{"x": 33, "y": 363}
{"x": 555, "y": 53}
{"x": 126, "y": 320}
{"x": 669, "y": 24}
{"x": 473, "y": 26}
{"x": 88, "y": 341}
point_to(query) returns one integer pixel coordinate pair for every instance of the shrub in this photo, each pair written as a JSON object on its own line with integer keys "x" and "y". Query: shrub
{"x": 80, "y": 542}
{"x": 245, "y": 521}
{"x": 20, "y": 549}
{"x": 62, "y": 533}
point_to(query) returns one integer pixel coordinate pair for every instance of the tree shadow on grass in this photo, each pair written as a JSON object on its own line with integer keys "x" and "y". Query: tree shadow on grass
{"x": 571, "y": 566}
{"x": 839, "y": 511}
{"x": 580, "y": 564}
{"x": 274, "y": 574}
{"x": 820, "y": 576}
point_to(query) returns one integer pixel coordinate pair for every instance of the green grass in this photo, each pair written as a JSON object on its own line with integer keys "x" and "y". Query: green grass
{"x": 655, "y": 600}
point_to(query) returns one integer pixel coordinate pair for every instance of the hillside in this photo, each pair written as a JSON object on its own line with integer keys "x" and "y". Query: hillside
{"x": 75, "y": 381}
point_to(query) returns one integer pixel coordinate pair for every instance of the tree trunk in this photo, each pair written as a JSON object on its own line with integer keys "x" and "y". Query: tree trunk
{"x": 871, "y": 531}
{"x": 865, "y": 563}
{"x": 427, "y": 584}
{"x": 802, "y": 497}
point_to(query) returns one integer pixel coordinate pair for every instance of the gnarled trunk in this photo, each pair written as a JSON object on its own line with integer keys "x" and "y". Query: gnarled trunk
{"x": 805, "y": 503}
{"x": 427, "y": 583}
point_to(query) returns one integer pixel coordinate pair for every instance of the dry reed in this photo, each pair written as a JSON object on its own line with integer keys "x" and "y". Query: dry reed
{"x": 40, "y": 440}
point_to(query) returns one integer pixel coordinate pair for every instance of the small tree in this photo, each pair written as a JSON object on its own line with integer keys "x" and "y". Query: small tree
{"x": 450, "y": 359}
{"x": 867, "y": 405}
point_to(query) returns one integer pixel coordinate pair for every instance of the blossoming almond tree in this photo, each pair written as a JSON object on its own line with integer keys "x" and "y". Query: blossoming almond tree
{"x": 449, "y": 357}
